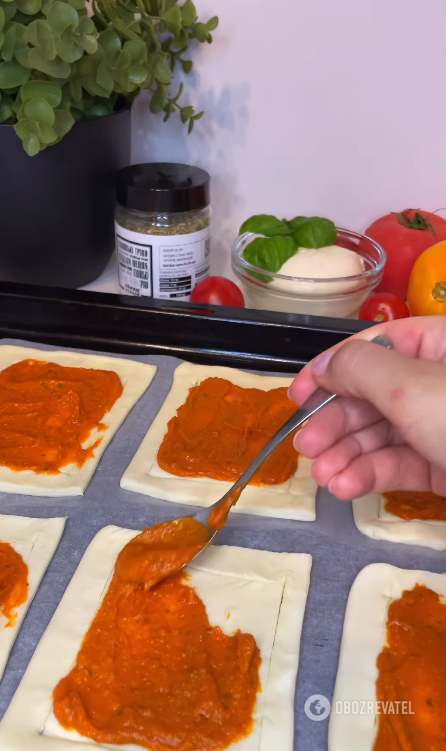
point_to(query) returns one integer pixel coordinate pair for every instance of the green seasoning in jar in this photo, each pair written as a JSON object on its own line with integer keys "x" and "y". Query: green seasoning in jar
{"x": 162, "y": 226}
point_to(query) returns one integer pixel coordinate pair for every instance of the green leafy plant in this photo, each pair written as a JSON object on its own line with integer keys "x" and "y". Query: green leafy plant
{"x": 59, "y": 65}
{"x": 282, "y": 239}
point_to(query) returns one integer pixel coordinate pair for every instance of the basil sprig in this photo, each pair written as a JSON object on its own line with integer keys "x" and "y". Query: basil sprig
{"x": 282, "y": 239}
{"x": 264, "y": 224}
{"x": 269, "y": 253}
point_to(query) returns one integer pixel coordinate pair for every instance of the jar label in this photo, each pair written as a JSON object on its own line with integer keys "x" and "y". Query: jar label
{"x": 166, "y": 267}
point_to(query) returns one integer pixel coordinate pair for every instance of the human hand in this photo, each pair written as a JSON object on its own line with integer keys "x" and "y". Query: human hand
{"x": 387, "y": 429}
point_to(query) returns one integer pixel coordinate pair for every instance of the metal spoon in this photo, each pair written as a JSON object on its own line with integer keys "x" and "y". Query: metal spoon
{"x": 214, "y": 517}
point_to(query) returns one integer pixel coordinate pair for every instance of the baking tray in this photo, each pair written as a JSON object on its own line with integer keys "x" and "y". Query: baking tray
{"x": 339, "y": 551}
{"x": 199, "y": 333}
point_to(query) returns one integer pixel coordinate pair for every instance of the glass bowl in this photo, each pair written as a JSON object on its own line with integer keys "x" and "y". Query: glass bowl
{"x": 317, "y": 297}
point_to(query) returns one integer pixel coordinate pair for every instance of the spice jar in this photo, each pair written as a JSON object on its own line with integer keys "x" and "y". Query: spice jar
{"x": 162, "y": 227}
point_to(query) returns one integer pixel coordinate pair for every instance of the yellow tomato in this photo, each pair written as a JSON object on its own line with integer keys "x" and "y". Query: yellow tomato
{"x": 426, "y": 295}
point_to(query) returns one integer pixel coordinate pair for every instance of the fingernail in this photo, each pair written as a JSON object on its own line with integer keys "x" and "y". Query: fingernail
{"x": 331, "y": 486}
{"x": 320, "y": 363}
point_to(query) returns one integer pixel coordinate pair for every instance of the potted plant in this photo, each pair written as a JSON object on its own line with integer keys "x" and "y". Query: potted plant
{"x": 67, "y": 81}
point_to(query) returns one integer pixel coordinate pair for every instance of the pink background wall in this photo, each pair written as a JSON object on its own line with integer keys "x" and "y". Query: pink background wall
{"x": 335, "y": 107}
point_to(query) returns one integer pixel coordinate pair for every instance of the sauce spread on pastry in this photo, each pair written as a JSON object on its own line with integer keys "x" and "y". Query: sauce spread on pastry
{"x": 412, "y": 669}
{"x": 48, "y": 411}
{"x": 409, "y": 505}
{"x": 221, "y": 428}
{"x": 152, "y": 671}
{"x": 13, "y": 582}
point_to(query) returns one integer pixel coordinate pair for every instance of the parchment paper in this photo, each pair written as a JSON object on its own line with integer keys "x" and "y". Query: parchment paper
{"x": 339, "y": 552}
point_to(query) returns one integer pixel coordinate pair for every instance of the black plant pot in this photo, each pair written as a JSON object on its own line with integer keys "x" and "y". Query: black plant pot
{"x": 56, "y": 209}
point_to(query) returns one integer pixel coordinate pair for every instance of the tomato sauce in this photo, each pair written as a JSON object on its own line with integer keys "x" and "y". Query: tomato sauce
{"x": 412, "y": 668}
{"x": 217, "y": 517}
{"x": 409, "y": 505}
{"x": 13, "y": 582}
{"x": 48, "y": 411}
{"x": 152, "y": 671}
{"x": 220, "y": 430}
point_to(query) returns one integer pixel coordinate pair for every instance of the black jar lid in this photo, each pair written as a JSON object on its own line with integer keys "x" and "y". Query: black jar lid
{"x": 163, "y": 187}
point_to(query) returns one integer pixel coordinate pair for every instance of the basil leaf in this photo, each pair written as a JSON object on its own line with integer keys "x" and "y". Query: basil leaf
{"x": 312, "y": 232}
{"x": 264, "y": 224}
{"x": 269, "y": 253}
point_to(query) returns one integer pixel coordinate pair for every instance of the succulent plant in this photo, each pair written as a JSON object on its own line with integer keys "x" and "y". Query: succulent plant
{"x": 58, "y": 64}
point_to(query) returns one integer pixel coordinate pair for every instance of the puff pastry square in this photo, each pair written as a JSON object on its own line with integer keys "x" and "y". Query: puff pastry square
{"x": 135, "y": 378}
{"x": 374, "y": 521}
{"x": 263, "y": 593}
{"x": 36, "y": 540}
{"x": 295, "y": 499}
{"x": 364, "y": 635}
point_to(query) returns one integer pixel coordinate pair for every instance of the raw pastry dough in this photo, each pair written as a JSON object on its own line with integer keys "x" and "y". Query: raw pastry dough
{"x": 363, "y": 638}
{"x": 135, "y": 378}
{"x": 264, "y": 594}
{"x": 36, "y": 541}
{"x": 373, "y": 520}
{"x": 295, "y": 499}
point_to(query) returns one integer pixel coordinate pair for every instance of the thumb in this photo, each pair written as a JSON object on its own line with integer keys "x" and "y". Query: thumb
{"x": 410, "y": 393}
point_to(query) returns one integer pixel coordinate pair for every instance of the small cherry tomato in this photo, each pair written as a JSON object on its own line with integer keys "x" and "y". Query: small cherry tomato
{"x": 216, "y": 290}
{"x": 383, "y": 306}
{"x": 426, "y": 295}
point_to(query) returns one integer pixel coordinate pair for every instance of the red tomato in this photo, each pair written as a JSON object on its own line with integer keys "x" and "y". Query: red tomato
{"x": 216, "y": 290}
{"x": 383, "y": 306}
{"x": 404, "y": 237}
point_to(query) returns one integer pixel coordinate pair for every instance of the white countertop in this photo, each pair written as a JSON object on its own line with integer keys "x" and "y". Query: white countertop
{"x": 108, "y": 281}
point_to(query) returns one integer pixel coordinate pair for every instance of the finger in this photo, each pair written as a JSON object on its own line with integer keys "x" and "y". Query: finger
{"x": 333, "y": 422}
{"x": 337, "y": 458}
{"x": 390, "y": 468}
{"x": 438, "y": 480}
{"x": 418, "y": 337}
{"x": 302, "y": 386}
{"x": 411, "y": 394}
